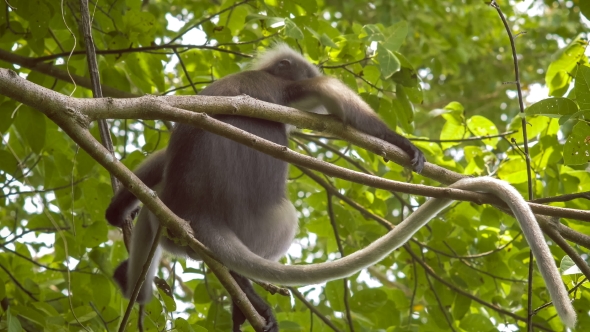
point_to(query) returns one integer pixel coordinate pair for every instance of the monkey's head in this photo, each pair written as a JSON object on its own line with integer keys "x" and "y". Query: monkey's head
{"x": 282, "y": 61}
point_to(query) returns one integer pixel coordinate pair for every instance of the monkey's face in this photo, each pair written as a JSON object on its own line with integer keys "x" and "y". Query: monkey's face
{"x": 293, "y": 69}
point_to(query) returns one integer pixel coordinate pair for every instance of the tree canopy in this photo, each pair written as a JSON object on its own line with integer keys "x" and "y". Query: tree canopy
{"x": 441, "y": 72}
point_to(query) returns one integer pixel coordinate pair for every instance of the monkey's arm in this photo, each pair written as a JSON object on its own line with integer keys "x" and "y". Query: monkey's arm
{"x": 339, "y": 100}
{"x": 149, "y": 172}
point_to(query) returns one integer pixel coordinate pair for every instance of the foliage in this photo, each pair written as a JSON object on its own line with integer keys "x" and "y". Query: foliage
{"x": 432, "y": 68}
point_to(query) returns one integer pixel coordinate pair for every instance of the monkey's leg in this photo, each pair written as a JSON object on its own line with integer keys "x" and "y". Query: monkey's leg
{"x": 128, "y": 272}
{"x": 259, "y": 304}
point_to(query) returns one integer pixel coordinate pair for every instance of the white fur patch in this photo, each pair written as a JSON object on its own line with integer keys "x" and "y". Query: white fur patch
{"x": 276, "y": 53}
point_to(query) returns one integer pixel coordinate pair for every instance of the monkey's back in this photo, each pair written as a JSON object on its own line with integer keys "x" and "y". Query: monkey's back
{"x": 210, "y": 179}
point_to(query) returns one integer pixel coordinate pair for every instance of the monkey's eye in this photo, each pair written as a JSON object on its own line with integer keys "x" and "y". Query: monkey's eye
{"x": 285, "y": 63}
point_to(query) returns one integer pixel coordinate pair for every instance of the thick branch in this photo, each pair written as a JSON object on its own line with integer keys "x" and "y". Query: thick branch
{"x": 63, "y": 109}
{"x": 54, "y": 71}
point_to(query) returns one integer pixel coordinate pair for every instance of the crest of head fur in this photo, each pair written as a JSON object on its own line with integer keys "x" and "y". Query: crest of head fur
{"x": 276, "y": 53}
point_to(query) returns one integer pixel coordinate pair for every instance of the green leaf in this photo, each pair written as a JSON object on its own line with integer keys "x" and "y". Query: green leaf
{"x": 367, "y": 300}
{"x": 582, "y": 87}
{"x": 139, "y": 26}
{"x": 258, "y": 17}
{"x": 334, "y": 291}
{"x": 397, "y": 35}
{"x": 182, "y": 325}
{"x": 513, "y": 171}
{"x": 31, "y": 126}
{"x": 387, "y": 113}
{"x": 95, "y": 234}
{"x": 31, "y": 314}
{"x": 291, "y": 30}
{"x": 6, "y": 109}
{"x": 576, "y": 150}
{"x": 452, "y": 130}
{"x": 101, "y": 289}
{"x": 558, "y": 75}
{"x": 454, "y": 106}
{"x": 481, "y": 126}
{"x": 388, "y": 63}
{"x": 477, "y": 323}
{"x": 552, "y": 107}
{"x": 9, "y": 164}
{"x": 12, "y": 322}
{"x": 372, "y": 33}
{"x": 83, "y": 314}
{"x": 568, "y": 267}
{"x": 404, "y": 108}
{"x": 166, "y": 294}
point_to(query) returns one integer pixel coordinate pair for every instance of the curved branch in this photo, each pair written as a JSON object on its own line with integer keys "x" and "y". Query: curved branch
{"x": 63, "y": 110}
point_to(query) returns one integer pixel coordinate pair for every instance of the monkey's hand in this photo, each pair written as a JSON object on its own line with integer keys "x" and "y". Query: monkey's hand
{"x": 119, "y": 210}
{"x": 114, "y": 215}
{"x": 417, "y": 158}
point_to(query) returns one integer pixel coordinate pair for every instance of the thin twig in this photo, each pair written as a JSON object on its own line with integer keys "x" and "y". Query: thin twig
{"x": 523, "y": 124}
{"x": 342, "y": 254}
{"x": 562, "y": 198}
{"x": 313, "y": 309}
{"x": 141, "y": 279}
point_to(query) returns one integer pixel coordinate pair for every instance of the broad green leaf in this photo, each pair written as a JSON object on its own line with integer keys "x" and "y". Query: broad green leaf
{"x": 258, "y": 17}
{"x": 474, "y": 156}
{"x": 235, "y": 18}
{"x": 513, "y": 171}
{"x": 31, "y": 126}
{"x": 101, "y": 289}
{"x": 139, "y": 26}
{"x": 291, "y": 30}
{"x": 577, "y": 115}
{"x": 553, "y": 107}
{"x": 481, "y": 126}
{"x": 82, "y": 314}
{"x": 477, "y": 323}
{"x": 535, "y": 125}
{"x": 9, "y": 164}
{"x": 12, "y": 322}
{"x": 38, "y": 15}
{"x": 6, "y": 110}
{"x": 322, "y": 38}
{"x": 396, "y": 35}
{"x": 201, "y": 294}
{"x": 454, "y": 106}
{"x": 95, "y": 234}
{"x": 31, "y": 314}
{"x": 387, "y": 113}
{"x": 568, "y": 267}
{"x": 388, "y": 63}
{"x": 372, "y": 33}
{"x": 582, "y": 87}
{"x": 453, "y": 129}
{"x": 334, "y": 291}
{"x": 576, "y": 150}
{"x": 166, "y": 294}
{"x": 558, "y": 75}
{"x": 367, "y": 300}
{"x": 404, "y": 108}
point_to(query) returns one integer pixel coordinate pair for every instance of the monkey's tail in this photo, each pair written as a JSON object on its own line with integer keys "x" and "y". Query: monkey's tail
{"x": 236, "y": 256}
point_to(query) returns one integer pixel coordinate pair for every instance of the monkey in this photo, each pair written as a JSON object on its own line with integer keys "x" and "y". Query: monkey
{"x": 234, "y": 197}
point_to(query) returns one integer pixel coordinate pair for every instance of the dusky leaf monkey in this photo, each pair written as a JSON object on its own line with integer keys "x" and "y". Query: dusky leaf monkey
{"x": 235, "y": 200}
